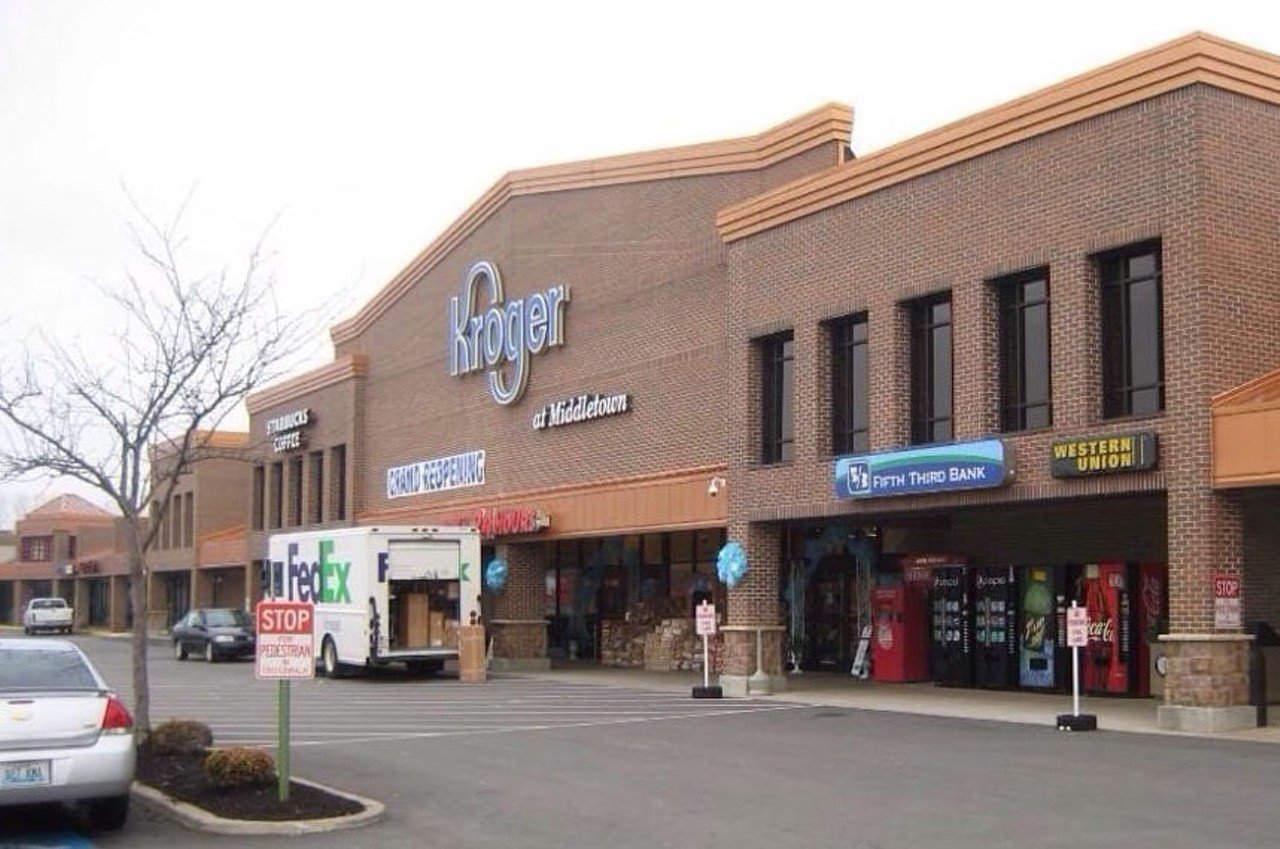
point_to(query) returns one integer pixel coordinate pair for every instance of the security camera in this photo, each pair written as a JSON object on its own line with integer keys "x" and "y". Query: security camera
{"x": 714, "y": 487}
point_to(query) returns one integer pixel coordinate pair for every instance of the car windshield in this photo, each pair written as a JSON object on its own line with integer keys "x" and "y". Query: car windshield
{"x": 46, "y": 669}
{"x": 225, "y": 618}
{"x": 46, "y": 603}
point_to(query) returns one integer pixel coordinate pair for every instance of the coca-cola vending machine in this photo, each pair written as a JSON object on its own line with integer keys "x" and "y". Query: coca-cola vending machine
{"x": 951, "y": 626}
{"x": 898, "y": 649}
{"x": 995, "y": 629}
{"x": 1108, "y": 660}
{"x": 1042, "y": 603}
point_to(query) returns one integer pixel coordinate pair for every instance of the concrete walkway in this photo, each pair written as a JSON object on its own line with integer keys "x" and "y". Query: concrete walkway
{"x": 835, "y": 690}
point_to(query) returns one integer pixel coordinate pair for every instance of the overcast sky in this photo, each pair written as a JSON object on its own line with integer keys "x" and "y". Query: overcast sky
{"x": 364, "y": 129}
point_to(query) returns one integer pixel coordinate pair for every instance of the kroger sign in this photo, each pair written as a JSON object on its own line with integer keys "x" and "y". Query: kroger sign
{"x": 501, "y": 336}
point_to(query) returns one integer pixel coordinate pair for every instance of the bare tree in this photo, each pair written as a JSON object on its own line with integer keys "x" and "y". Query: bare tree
{"x": 130, "y": 422}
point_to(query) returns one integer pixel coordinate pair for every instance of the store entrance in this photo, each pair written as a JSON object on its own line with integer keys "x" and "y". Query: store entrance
{"x": 831, "y": 618}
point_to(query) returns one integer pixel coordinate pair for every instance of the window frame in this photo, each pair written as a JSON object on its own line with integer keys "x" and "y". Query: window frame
{"x": 777, "y": 405}
{"x": 924, "y": 339}
{"x": 1117, "y": 284}
{"x": 849, "y": 338}
{"x": 1015, "y": 305}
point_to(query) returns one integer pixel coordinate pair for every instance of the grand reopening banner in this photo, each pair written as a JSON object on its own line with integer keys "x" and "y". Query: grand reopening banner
{"x": 936, "y": 468}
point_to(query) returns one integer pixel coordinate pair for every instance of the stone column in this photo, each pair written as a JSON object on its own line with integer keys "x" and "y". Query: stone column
{"x": 517, "y": 624}
{"x": 755, "y": 615}
{"x": 1207, "y": 685}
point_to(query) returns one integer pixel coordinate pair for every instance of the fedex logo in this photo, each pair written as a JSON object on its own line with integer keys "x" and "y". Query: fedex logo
{"x": 323, "y": 581}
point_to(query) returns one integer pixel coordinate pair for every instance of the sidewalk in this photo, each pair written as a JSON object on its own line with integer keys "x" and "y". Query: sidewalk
{"x": 834, "y": 690}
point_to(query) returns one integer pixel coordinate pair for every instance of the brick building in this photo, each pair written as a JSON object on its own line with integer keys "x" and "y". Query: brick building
{"x": 986, "y": 356}
{"x": 72, "y": 549}
{"x": 199, "y": 556}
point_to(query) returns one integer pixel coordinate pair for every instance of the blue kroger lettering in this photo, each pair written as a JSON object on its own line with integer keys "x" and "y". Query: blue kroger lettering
{"x": 502, "y": 338}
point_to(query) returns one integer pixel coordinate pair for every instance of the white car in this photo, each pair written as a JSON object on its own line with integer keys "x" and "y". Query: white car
{"x": 48, "y": 614}
{"x": 64, "y": 735}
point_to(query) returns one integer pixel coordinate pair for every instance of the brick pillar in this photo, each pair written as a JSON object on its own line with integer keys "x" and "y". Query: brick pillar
{"x": 755, "y": 615}
{"x": 80, "y": 602}
{"x": 118, "y": 617}
{"x": 1207, "y": 686}
{"x": 20, "y": 592}
{"x": 517, "y": 623}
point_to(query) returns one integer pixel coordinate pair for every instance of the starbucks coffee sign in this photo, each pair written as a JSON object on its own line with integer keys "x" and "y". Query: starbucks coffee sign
{"x": 490, "y": 333}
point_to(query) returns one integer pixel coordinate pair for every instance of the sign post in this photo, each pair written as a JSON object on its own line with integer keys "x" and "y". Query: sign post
{"x": 286, "y": 650}
{"x": 1077, "y": 638}
{"x": 705, "y": 627}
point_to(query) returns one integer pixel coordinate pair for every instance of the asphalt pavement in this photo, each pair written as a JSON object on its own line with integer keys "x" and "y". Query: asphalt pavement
{"x": 589, "y": 758}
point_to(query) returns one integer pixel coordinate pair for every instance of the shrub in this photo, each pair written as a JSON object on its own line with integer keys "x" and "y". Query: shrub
{"x": 180, "y": 737}
{"x": 239, "y": 766}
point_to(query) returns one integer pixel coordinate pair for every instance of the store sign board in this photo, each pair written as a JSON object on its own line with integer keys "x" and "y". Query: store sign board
{"x": 1226, "y": 600}
{"x": 436, "y": 475}
{"x": 938, "y": 468}
{"x": 1103, "y": 455}
{"x": 581, "y": 408}
{"x": 286, "y": 431}
{"x": 501, "y": 337}
{"x": 503, "y": 521}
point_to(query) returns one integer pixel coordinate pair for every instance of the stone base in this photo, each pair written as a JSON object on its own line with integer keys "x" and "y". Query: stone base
{"x": 520, "y": 664}
{"x": 1204, "y": 720}
{"x": 737, "y": 685}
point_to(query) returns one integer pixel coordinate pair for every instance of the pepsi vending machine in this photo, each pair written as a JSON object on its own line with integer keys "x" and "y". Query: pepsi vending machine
{"x": 995, "y": 628}
{"x": 951, "y": 626}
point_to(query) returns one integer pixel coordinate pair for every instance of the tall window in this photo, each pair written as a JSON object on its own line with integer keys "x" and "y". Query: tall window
{"x": 295, "y": 490}
{"x": 315, "y": 491}
{"x": 259, "y": 497}
{"x": 1024, "y": 352}
{"x": 276, "y": 495}
{"x": 776, "y": 384}
{"x": 338, "y": 488}
{"x": 850, "y": 386}
{"x": 1132, "y": 331}
{"x": 931, "y": 369}
{"x": 175, "y": 522}
{"x": 188, "y": 520}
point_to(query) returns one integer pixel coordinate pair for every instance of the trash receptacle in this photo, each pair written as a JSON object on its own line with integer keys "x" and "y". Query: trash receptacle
{"x": 471, "y": 654}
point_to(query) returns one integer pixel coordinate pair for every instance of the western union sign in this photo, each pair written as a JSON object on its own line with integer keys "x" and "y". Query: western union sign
{"x": 1121, "y": 452}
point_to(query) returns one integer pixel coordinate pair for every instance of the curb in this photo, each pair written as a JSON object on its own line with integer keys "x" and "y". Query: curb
{"x": 199, "y": 819}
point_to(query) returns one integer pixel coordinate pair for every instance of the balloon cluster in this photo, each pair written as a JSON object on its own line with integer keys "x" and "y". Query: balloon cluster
{"x": 495, "y": 574}
{"x": 731, "y": 565}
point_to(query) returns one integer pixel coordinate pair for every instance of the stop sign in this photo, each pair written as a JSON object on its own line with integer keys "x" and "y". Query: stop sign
{"x": 286, "y": 645}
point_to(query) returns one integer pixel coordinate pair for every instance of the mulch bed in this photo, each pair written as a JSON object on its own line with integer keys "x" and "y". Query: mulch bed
{"x": 182, "y": 777}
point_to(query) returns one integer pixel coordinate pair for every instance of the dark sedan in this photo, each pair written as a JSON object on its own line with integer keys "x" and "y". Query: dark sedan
{"x": 216, "y": 633}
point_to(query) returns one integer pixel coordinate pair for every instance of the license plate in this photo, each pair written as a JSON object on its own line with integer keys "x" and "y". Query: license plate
{"x": 25, "y": 774}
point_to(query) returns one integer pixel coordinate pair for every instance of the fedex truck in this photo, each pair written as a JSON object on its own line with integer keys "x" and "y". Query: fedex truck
{"x": 381, "y": 595}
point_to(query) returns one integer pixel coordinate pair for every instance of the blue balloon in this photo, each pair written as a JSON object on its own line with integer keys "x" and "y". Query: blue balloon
{"x": 495, "y": 574}
{"x": 731, "y": 565}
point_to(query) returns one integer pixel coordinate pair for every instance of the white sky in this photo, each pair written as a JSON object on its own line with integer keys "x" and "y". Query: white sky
{"x": 367, "y": 127}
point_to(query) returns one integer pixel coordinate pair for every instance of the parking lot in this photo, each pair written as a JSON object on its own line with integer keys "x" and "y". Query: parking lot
{"x": 540, "y": 761}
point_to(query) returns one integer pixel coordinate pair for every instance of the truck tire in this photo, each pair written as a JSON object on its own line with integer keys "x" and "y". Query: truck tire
{"x": 329, "y": 660}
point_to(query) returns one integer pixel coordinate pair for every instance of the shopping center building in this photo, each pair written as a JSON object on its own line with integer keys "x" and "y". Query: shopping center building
{"x": 937, "y": 393}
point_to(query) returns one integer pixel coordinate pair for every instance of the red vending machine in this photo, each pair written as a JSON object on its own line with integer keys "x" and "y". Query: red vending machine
{"x": 899, "y": 651}
{"x": 1108, "y": 658}
{"x": 1153, "y": 592}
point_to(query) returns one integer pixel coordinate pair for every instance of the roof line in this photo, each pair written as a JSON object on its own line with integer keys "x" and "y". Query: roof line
{"x": 830, "y": 123}
{"x": 1193, "y": 58}
{"x": 344, "y": 368}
